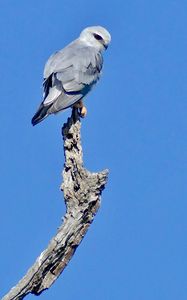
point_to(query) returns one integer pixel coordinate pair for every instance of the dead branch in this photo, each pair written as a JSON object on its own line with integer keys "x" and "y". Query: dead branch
{"x": 82, "y": 191}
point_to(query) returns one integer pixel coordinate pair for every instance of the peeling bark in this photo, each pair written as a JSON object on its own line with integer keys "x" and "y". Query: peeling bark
{"x": 82, "y": 191}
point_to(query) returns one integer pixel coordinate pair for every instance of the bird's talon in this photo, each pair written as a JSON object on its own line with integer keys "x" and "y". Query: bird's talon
{"x": 83, "y": 112}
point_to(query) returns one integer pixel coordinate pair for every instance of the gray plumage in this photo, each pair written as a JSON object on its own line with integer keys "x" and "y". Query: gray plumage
{"x": 71, "y": 73}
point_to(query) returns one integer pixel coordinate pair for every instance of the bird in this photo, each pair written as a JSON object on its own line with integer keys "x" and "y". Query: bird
{"x": 71, "y": 73}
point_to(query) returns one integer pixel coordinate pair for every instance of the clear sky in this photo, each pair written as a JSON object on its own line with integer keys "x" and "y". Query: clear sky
{"x": 136, "y": 249}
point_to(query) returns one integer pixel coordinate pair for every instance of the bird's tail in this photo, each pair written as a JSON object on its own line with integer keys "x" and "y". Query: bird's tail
{"x": 40, "y": 115}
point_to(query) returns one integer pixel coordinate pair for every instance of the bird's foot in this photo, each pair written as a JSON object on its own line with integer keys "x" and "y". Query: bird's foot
{"x": 82, "y": 109}
{"x": 83, "y": 112}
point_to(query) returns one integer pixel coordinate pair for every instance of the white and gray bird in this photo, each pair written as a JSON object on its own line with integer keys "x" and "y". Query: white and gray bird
{"x": 71, "y": 73}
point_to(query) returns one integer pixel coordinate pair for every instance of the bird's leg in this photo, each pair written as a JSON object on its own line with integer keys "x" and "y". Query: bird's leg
{"x": 83, "y": 110}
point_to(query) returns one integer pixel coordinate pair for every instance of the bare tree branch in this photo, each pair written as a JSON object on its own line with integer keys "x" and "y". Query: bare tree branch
{"x": 82, "y": 191}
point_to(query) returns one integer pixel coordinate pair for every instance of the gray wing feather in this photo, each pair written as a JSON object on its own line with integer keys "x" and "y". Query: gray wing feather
{"x": 70, "y": 74}
{"x": 64, "y": 101}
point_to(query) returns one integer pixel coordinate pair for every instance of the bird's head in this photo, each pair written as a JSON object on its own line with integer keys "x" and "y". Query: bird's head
{"x": 96, "y": 36}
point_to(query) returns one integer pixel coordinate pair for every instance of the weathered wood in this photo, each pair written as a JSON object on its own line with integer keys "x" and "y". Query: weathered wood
{"x": 82, "y": 191}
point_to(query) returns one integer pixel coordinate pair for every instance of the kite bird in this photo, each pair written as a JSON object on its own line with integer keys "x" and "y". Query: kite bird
{"x": 70, "y": 73}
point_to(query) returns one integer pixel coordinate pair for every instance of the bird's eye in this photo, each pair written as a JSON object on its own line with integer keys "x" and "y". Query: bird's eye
{"x": 97, "y": 37}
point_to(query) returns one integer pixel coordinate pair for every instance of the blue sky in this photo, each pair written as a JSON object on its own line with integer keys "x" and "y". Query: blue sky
{"x": 136, "y": 126}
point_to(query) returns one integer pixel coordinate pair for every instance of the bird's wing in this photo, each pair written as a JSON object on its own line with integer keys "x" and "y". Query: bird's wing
{"x": 73, "y": 71}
